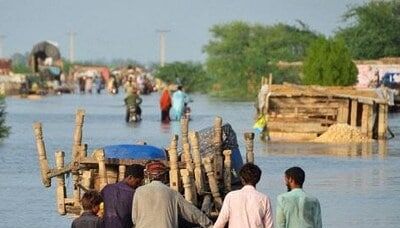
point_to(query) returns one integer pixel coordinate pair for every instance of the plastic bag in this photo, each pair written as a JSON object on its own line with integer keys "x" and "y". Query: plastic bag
{"x": 260, "y": 123}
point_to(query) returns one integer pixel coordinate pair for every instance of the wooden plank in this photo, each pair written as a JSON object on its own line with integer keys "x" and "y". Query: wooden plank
{"x": 296, "y": 127}
{"x": 308, "y": 111}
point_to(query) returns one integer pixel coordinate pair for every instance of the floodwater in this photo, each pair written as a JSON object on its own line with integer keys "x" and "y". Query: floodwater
{"x": 357, "y": 186}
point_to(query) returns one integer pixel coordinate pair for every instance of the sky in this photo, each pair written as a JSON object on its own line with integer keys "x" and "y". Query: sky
{"x": 107, "y": 29}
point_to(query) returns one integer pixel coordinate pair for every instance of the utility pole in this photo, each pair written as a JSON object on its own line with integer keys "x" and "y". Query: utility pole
{"x": 71, "y": 46}
{"x": 162, "y": 45}
{"x": 1, "y": 45}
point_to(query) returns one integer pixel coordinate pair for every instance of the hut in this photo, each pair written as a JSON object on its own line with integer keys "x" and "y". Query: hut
{"x": 297, "y": 112}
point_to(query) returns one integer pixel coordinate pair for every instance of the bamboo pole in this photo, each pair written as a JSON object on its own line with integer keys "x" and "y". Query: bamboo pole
{"x": 354, "y": 111}
{"x": 79, "y": 118}
{"x": 121, "y": 172}
{"x": 213, "y": 182}
{"x": 41, "y": 149}
{"x": 249, "y": 138}
{"x": 194, "y": 141}
{"x": 60, "y": 191}
{"x": 102, "y": 167}
{"x": 218, "y": 159}
{"x": 228, "y": 168}
{"x": 173, "y": 164}
{"x": 187, "y": 185}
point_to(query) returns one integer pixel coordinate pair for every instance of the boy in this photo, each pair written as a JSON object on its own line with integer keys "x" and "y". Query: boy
{"x": 91, "y": 201}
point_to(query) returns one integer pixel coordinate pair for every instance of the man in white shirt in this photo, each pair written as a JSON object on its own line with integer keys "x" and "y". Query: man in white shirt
{"x": 247, "y": 207}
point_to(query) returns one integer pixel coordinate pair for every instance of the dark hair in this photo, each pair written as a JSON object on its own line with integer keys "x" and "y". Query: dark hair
{"x": 91, "y": 199}
{"x": 297, "y": 174}
{"x": 135, "y": 170}
{"x": 179, "y": 87}
{"x": 250, "y": 174}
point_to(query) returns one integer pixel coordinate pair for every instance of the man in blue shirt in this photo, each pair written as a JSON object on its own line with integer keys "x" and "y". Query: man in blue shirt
{"x": 118, "y": 198}
{"x": 297, "y": 209}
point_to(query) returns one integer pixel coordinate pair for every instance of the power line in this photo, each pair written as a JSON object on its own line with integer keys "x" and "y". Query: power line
{"x": 162, "y": 33}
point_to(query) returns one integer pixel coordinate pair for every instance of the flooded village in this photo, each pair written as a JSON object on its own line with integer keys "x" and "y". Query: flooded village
{"x": 266, "y": 125}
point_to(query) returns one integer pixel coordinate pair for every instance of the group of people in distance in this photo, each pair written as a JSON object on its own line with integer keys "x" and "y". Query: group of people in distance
{"x": 172, "y": 108}
{"x": 130, "y": 204}
{"x": 177, "y": 104}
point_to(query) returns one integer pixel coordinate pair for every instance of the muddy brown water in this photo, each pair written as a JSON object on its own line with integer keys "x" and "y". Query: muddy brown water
{"x": 357, "y": 185}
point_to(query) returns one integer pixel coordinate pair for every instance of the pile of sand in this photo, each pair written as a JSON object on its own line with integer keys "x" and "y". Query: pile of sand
{"x": 342, "y": 133}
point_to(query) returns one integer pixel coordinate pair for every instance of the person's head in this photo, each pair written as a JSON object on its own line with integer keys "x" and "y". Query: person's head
{"x": 294, "y": 178}
{"x": 179, "y": 87}
{"x": 134, "y": 175}
{"x": 91, "y": 201}
{"x": 156, "y": 170}
{"x": 250, "y": 174}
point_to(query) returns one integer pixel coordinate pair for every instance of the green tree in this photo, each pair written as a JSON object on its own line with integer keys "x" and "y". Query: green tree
{"x": 4, "y": 130}
{"x": 328, "y": 63}
{"x": 239, "y": 54}
{"x": 373, "y": 31}
{"x": 188, "y": 74}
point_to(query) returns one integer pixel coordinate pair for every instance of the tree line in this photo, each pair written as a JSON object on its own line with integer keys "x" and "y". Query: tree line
{"x": 240, "y": 53}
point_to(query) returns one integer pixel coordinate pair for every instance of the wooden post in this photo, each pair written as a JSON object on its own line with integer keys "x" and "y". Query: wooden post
{"x": 60, "y": 191}
{"x": 370, "y": 121}
{"x": 188, "y": 159}
{"x": 218, "y": 159}
{"x": 76, "y": 152}
{"x": 249, "y": 138}
{"x": 382, "y": 121}
{"x": 187, "y": 185}
{"x": 100, "y": 157}
{"x": 173, "y": 164}
{"x": 354, "y": 107}
{"x": 79, "y": 118}
{"x": 212, "y": 181}
{"x": 87, "y": 176}
{"x": 41, "y": 149}
{"x": 184, "y": 130}
{"x": 365, "y": 119}
{"x": 121, "y": 172}
{"x": 227, "y": 172}
{"x": 194, "y": 141}
{"x": 190, "y": 168}
{"x": 83, "y": 150}
{"x": 345, "y": 111}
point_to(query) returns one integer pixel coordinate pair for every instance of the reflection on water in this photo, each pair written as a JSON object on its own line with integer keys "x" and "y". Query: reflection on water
{"x": 357, "y": 185}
